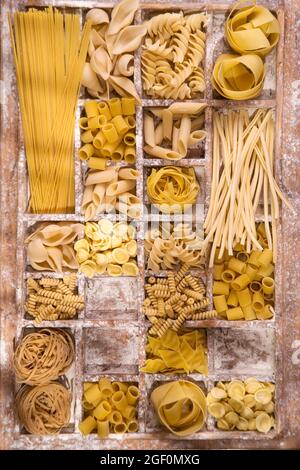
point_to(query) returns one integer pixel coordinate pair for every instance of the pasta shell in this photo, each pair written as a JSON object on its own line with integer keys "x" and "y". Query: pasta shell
{"x": 36, "y": 251}
{"x": 122, "y": 15}
{"x": 124, "y": 87}
{"x": 89, "y": 79}
{"x": 101, "y": 63}
{"x": 97, "y": 16}
{"x": 96, "y": 39}
{"x": 129, "y": 39}
{"x": 124, "y": 65}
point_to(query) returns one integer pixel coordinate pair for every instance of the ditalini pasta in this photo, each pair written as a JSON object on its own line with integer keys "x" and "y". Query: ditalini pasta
{"x": 244, "y": 405}
{"x": 49, "y": 58}
{"x": 113, "y": 40}
{"x": 171, "y": 301}
{"x": 111, "y": 190}
{"x": 180, "y": 406}
{"x": 44, "y": 409}
{"x": 172, "y": 54}
{"x": 252, "y": 29}
{"x": 172, "y": 189}
{"x": 107, "y": 248}
{"x": 167, "y": 250}
{"x": 108, "y": 132}
{"x": 53, "y": 299}
{"x": 43, "y": 356}
{"x": 181, "y": 352}
{"x": 244, "y": 290}
{"x": 50, "y": 247}
{"x": 243, "y": 170}
{"x": 170, "y": 132}
{"x": 109, "y": 407}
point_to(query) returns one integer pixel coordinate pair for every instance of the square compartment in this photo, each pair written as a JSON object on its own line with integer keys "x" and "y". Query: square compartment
{"x": 112, "y": 350}
{"x": 195, "y": 152}
{"x": 220, "y": 46}
{"x": 244, "y": 351}
{"x": 152, "y": 422}
{"x": 148, "y": 13}
{"x": 111, "y": 298}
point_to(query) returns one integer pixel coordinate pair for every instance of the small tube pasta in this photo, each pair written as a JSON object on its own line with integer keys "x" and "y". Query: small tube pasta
{"x": 96, "y": 122}
{"x": 128, "y": 106}
{"x": 255, "y": 286}
{"x": 244, "y": 297}
{"x": 87, "y": 425}
{"x": 132, "y": 395}
{"x": 91, "y": 108}
{"x": 220, "y": 303}
{"x": 268, "y": 285}
{"x": 253, "y": 259}
{"x": 104, "y": 110}
{"x": 129, "y": 155}
{"x": 87, "y": 137}
{"x": 130, "y": 121}
{"x": 132, "y": 425}
{"x": 110, "y": 133}
{"x": 232, "y": 299}
{"x": 220, "y": 288}
{"x": 99, "y": 140}
{"x": 251, "y": 272}
{"x": 228, "y": 275}
{"x": 236, "y": 265}
{"x": 265, "y": 314}
{"x": 258, "y": 302}
{"x": 265, "y": 258}
{"x": 92, "y": 394}
{"x": 240, "y": 282}
{"x": 115, "y": 106}
{"x": 118, "y": 154}
{"x": 120, "y": 428}
{"x": 97, "y": 163}
{"x": 102, "y": 410}
{"x": 129, "y": 412}
{"x": 120, "y": 125}
{"x": 235, "y": 313}
{"x": 105, "y": 387}
{"x": 103, "y": 429}
{"x": 119, "y": 400}
{"x": 217, "y": 271}
{"x": 83, "y": 123}
{"x": 119, "y": 386}
{"x": 249, "y": 313}
{"x": 129, "y": 139}
{"x": 86, "y": 152}
{"x": 115, "y": 417}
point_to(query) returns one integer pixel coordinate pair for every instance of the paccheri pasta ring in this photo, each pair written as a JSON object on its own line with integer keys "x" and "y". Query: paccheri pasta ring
{"x": 238, "y": 77}
{"x": 180, "y": 406}
{"x": 252, "y": 29}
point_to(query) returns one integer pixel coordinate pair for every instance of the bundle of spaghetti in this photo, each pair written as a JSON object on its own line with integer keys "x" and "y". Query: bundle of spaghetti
{"x": 168, "y": 305}
{"x": 243, "y": 170}
{"x": 44, "y": 409}
{"x": 49, "y": 54}
{"x": 43, "y": 356}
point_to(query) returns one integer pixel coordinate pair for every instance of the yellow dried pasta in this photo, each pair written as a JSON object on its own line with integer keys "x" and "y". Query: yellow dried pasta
{"x": 244, "y": 405}
{"x": 109, "y": 406}
{"x": 172, "y": 189}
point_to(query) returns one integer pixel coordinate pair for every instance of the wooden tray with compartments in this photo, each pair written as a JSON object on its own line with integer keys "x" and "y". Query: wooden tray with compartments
{"x": 110, "y": 333}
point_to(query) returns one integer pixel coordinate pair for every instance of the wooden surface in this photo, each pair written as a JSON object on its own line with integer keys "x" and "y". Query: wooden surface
{"x": 288, "y": 339}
